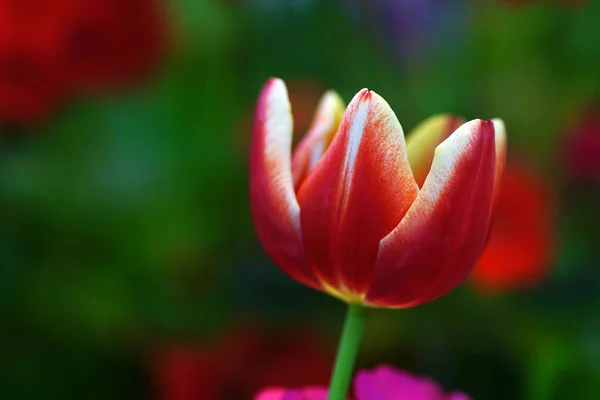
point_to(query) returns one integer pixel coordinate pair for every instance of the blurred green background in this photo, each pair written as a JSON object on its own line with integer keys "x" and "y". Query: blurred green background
{"x": 127, "y": 252}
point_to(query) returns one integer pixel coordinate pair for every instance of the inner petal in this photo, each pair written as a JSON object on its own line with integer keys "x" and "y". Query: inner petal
{"x": 422, "y": 141}
{"x": 318, "y": 138}
{"x": 357, "y": 193}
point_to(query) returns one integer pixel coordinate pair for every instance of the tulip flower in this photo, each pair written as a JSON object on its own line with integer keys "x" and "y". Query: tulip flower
{"x": 358, "y": 213}
{"x": 361, "y": 214}
{"x": 383, "y": 383}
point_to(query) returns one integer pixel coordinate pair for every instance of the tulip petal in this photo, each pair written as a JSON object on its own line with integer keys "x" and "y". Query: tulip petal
{"x": 500, "y": 140}
{"x": 273, "y": 202}
{"x": 422, "y": 141}
{"x": 437, "y": 243}
{"x": 356, "y": 195}
{"x": 324, "y": 126}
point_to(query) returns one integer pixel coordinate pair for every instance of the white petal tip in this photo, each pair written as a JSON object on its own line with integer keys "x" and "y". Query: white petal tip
{"x": 462, "y": 133}
{"x": 330, "y": 102}
{"x": 275, "y": 87}
{"x": 500, "y": 129}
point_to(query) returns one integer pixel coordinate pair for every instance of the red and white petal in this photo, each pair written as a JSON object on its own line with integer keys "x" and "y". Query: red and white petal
{"x": 439, "y": 240}
{"x": 356, "y": 195}
{"x": 500, "y": 140}
{"x": 273, "y": 202}
{"x": 422, "y": 141}
{"x": 318, "y": 138}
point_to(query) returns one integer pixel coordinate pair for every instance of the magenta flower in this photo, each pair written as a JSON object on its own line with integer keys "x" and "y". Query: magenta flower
{"x": 293, "y": 394}
{"x": 382, "y": 383}
{"x": 388, "y": 383}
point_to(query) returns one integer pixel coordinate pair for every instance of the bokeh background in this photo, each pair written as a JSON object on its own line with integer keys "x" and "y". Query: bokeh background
{"x": 129, "y": 267}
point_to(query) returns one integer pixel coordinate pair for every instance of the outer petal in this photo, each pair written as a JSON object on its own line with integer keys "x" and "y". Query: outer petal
{"x": 273, "y": 203}
{"x": 439, "y": 240}
{"x": 356, "y": 195}
{"x": 422, "y": 141}
{"x": 324, "y": 126}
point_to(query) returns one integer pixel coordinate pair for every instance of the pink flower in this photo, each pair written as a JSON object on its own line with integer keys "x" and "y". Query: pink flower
{"x": 388, "y": 383}
{"x": 291, "y": 394}
{"x": 382, "y": 383}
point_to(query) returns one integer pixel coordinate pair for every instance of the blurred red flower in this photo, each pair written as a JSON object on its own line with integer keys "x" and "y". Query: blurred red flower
{"x": 111, "y": 42}
{"x": 49, "y": 48}
{"x": 30, "y": 82}
{"x": 583, "y": 148}
{"x": 521, "y": 241}
{"x": 30, "y": 77}
{"x": 239, "y": 364}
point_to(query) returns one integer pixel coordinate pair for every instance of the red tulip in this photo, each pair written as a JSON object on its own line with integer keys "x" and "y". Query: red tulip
{"x": 345, "y": 214}
{"x": 520, "y": 246}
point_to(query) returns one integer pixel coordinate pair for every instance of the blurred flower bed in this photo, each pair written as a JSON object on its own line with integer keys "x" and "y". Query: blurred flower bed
{"x": 129, "y": 266}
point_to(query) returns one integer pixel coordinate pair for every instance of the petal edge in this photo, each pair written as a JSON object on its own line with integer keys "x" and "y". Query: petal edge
{"x": 273, "y": 203}
{"x": 423, "y": 140}
{"x": 318, "y": 138}
{"x": 419, "y": 260}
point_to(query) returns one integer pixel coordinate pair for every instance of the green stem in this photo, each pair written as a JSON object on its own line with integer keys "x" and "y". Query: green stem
{"x": 347, "y": 351}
